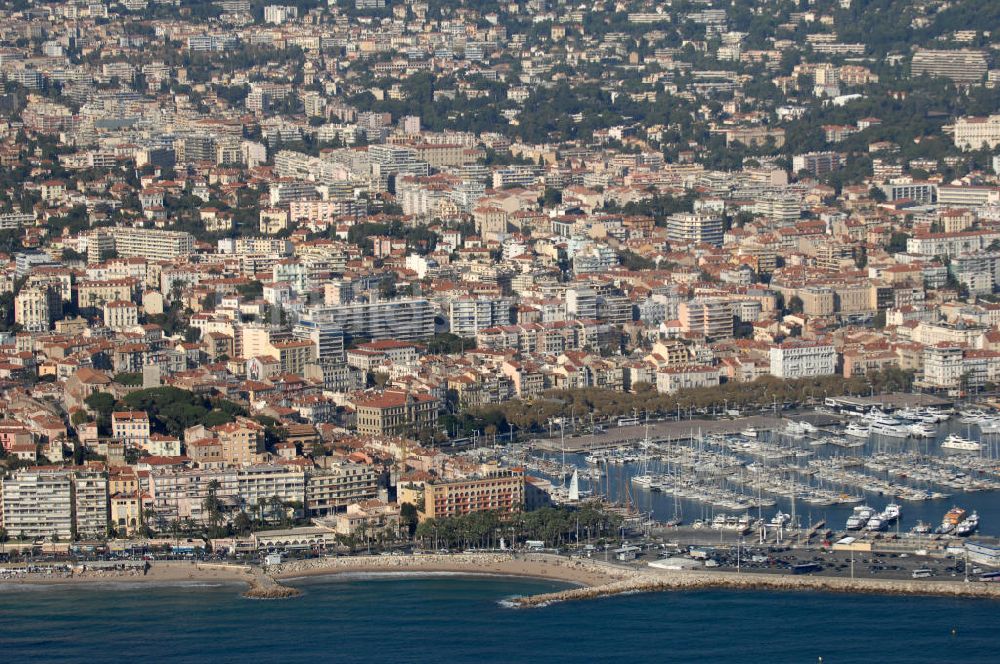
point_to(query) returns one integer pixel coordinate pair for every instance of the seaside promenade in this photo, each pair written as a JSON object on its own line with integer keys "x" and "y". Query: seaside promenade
{"x": 592, "y": 578}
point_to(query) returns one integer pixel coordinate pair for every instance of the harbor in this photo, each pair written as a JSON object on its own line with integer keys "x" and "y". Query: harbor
{"x": 797, "y": 468}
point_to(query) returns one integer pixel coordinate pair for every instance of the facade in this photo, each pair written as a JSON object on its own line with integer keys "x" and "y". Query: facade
{"x": 152, "y": 243}
{"x": 241, "y": 441}
{"x": 131, "y": 428}
{"x": 711, "y": 317}
{"x": 960, "y": 65}
{"x": 671, "y": 379}
{"x": 972, "y": 133}
{"x": 691, "y": 228}
{"x": 502, "y": 492}
{"x": 817, "y": 163}
{"x": 36, "y": 307}
{"x": 469, "y": 315}
{"x": 802, "y": 359}
{"x": 121, "y": 315}
{"x": 396, "y": 412}
{"x": 38, "y": 504}
{"x": 405, "y": 319}
{"x": 331, "y": 490}
{"x": 257, "y": 485}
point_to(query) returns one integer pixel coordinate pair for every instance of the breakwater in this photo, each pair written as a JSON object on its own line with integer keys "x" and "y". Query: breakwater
{"x": 263, "y": 586}
{"x": 645, "y": 581}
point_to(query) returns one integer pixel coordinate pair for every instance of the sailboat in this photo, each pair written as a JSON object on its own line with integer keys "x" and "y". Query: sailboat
{"x": 574, "y": 486}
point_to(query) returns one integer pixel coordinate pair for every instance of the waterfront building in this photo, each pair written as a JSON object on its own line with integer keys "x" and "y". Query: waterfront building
{"x": 501, "y": 492}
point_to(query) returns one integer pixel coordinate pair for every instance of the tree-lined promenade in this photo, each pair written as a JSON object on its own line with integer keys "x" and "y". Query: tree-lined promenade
{"x": 602, "y": 404}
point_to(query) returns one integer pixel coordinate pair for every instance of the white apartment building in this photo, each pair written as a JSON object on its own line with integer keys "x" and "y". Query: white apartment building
{"x": 671, "y": 379}
{"x": 38, "y": 504}
{"x": 950, "y": 244}
{"x": 469, "y": 315}
{"x": 152, "y": 243}
{"x": 131, "y": 427}
{"x": 971, "y": 133}
{"x": 408, "y": 319}
{"x": 691, "y": 228}
{"x": 36, "y": 307}
{"x": 332, "y": 489}
{"x": 90, "y": 505}
{"x": 121, "y": 315}
{"x": 581, "y": 303}
{"x": 259, "y": 484}
{"x": 803, "y": 359}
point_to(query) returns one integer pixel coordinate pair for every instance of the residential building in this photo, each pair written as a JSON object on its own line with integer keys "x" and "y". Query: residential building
{"x": 501, "y": 492}
{"x": 393, "y": 412}
{"x": 800, "y": 359}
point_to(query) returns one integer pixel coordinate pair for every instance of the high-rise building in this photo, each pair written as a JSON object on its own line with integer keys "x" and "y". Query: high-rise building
{"x": 817, "y": 163}
{"x": 471, "y": 314}
{"x": 38, "y": 504}
{"x": 711, "y": 317}
{"x": 581, "y": 303}
{"x": 327, "y": 335}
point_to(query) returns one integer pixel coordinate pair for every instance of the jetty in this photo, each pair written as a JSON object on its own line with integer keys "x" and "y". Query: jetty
{"x": 644, "y": 581}
{"x": 264, "y": 586}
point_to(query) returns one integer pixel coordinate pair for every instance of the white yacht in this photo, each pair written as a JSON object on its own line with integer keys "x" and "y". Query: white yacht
{"x": 780, "y": 519}
{"x": 794, "y": 429}
{"x": 891, "y": 513}
{"x": 989, "y": 424}
{"x": 643, "y": 481}
{"x": 923, "y": 430}
{"x": 857, "y": 430}
{"x": 875, "y": 523}
{"x": 749, "y": 432}
{"x": 890, "y": 430}
{"x": 968, "y": 525}
{"x": 954, "y": 442}
{"x": 876, "y": 416}
{"x": 859, "y": 518}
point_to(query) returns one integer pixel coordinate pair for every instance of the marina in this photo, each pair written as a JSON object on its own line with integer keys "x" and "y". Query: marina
{"x": 809, "y": 466}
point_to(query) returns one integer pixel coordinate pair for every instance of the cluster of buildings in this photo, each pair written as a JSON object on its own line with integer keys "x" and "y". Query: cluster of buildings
{"x": 353, "y": 224}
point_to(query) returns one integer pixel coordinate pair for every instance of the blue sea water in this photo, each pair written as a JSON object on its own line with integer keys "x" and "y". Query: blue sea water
{"x": 448, "y": 618}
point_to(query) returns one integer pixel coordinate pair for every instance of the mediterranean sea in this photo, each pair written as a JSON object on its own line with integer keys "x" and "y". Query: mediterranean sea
{"x": 455, "y": 618}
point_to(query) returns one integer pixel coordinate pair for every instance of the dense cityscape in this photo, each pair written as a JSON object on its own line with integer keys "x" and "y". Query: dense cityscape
{"x": 630, "y": 290}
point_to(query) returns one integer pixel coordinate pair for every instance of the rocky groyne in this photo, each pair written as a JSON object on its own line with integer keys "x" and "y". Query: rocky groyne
{"x": 263, "y": 586}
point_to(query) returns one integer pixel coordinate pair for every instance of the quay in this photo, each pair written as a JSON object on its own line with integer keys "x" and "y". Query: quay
{"x": 673, "y": 430}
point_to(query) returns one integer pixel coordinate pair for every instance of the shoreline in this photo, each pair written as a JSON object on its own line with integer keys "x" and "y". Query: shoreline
{"x": 473, "y": 564}
{"x": 590, "y": 579}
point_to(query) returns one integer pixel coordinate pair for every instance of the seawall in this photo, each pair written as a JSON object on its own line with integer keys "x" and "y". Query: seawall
{"x": 649, "y": 581}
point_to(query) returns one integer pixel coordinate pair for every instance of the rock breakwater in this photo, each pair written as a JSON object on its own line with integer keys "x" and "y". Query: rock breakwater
{"x": 643, "y": 582}
{"x": 263, "y": 586}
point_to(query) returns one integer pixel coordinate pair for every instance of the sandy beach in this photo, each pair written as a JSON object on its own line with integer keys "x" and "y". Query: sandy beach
{"x": 163, "y": 572}
{"x": 576, "y": 571}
